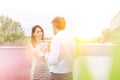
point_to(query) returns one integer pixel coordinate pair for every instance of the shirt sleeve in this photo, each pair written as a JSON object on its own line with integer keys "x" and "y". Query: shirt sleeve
{"x": 53, "y": 57}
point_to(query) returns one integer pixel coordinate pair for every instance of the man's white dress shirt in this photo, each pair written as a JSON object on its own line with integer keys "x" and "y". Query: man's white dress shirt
{"x": 62, "y": 53}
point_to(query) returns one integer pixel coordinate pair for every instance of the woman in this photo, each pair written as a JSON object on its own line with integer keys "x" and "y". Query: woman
{"x": 39, "y": 69}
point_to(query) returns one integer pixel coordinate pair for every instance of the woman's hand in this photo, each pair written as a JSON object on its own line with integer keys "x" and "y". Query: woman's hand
{"x": 44, "y": 47}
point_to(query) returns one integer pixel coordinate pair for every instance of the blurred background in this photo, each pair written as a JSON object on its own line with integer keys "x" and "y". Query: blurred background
{"x": 95, "y": 25}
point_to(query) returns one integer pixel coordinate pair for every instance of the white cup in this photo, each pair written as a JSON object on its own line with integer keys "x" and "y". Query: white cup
{"x": 44, "y": 46}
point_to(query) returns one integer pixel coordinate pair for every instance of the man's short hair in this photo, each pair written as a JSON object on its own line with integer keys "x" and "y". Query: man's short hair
{"x": 59, "y": 22}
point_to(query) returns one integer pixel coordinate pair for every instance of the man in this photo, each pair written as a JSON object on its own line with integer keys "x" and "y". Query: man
{"x": 62, "y": 51}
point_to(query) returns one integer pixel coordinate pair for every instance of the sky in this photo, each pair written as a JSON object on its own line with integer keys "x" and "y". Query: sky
{"x": 85, "y": 18}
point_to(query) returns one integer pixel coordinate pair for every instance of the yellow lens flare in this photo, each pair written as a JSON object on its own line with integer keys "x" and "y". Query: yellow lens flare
{"x": 85, "y": 36}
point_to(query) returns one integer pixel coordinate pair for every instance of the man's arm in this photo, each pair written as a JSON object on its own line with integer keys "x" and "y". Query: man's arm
{"x": 53, "y": 57}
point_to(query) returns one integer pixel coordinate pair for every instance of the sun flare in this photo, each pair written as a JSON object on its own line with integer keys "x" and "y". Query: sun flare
{"x": 86, "y": 33}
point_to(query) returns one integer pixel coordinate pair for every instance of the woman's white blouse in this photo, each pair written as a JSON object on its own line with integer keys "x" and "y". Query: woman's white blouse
{"x": 36, "y": 50}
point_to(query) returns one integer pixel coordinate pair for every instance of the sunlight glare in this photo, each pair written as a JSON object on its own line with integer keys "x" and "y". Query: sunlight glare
{"x": 81, "y": 32}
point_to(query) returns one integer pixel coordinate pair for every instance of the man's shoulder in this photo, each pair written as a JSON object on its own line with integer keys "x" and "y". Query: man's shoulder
{"x": 63, "y": 33}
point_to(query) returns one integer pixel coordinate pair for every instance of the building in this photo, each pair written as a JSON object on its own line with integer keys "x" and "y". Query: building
{"x": 115, "y": 22}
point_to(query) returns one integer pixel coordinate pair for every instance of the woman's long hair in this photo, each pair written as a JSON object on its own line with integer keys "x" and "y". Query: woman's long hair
{"x": 33, "y": 39}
